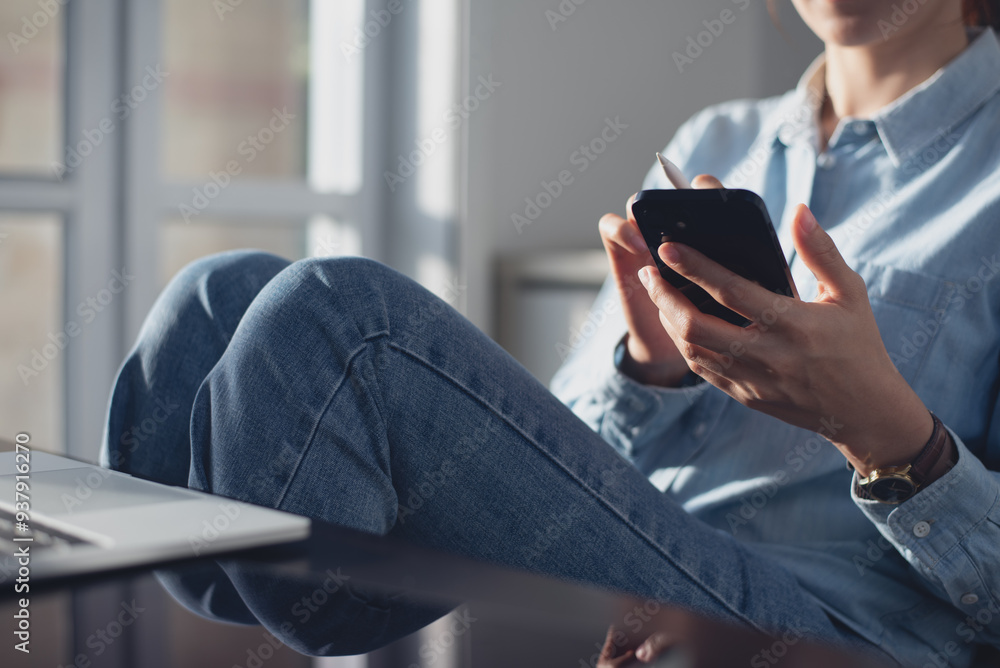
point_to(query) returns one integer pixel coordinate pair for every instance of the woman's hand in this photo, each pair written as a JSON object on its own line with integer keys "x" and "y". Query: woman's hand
{"x": 819, "y": 365}
{"x": 652, "y": 356}
{"x": 652, "y": 647}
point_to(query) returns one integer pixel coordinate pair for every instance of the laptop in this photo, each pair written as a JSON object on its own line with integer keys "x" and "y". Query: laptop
{"x": 82, "y": 518}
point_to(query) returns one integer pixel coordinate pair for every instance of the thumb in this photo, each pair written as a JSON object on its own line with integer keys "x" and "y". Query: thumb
{"x": 654, "y": 646}
{"x": 820, "y": 254}
{"x": 705, "y": 181}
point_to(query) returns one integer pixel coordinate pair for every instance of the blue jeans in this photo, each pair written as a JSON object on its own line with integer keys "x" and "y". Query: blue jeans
{"x": 341, "y": 390}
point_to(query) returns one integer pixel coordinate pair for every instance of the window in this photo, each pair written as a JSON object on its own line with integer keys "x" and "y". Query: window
{"x": 135, "y": 137}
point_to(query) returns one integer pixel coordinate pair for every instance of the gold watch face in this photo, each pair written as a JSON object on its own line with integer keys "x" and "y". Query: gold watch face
{"x": 891, "y": 488}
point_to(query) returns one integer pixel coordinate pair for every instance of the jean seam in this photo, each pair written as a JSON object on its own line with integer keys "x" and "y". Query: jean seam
{"x": 366, "y": 340}
{"x": 631, "y": 526}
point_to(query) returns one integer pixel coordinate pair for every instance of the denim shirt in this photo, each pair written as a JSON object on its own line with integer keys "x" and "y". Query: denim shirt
{"x": 912, "y": 199}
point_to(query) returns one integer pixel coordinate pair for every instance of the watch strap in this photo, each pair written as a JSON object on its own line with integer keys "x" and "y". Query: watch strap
{"x": 928, "y": 458}
{"x": 919, "y": 470}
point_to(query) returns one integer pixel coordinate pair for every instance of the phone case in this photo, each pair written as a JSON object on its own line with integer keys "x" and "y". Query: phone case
{"x": 732, "y": 227}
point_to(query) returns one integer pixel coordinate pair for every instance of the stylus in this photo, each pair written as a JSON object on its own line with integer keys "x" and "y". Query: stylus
{"x": 674, "y": 175}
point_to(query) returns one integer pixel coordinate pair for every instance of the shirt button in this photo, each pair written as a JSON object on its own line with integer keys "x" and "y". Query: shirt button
{"x": 826, "y": 161}
{"x": 970, "y": 599}
{"x": 699, "y": 431}
{"x": 921, "y": 529}
{"x": 859, "y": 127}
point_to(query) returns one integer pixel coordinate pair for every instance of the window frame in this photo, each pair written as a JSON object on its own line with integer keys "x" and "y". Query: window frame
{"x": 114, "y": 204}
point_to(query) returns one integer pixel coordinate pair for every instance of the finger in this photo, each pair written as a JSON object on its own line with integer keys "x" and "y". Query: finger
{"x": 623, "y": 233}
{"x": 705, "y": 182}
{"x": 616, "y": 662}
{"x": 609, "y": 656}
{"x": 608, "y": 651}
{"x": 704, "y": 362}
{"x": 686, "y": 324}
{"x": 733, "y": 372}
{"x": 654, "y": 646}
{"x": 821, "y": 256}
{"x": 711, "y": 372}
{"x": 628, "y": 207}
{"x": 728, "y": 288}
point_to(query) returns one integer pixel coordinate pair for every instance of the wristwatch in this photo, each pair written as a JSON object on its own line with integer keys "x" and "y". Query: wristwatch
{"x": 896, "y": 484}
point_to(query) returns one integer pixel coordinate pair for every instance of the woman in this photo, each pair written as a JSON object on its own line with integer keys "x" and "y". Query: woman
{"x": 340, "y": 390}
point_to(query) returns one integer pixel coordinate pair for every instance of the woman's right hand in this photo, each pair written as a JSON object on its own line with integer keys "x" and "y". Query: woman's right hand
{"x": 651, "y": 356}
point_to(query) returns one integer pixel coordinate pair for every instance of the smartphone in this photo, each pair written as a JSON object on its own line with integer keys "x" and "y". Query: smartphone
{"x": 731, "y": 227}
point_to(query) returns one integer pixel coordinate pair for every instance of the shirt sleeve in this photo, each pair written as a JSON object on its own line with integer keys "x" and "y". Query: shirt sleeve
{"x": 950, "y": 533}
{"x": 627, "y": 414}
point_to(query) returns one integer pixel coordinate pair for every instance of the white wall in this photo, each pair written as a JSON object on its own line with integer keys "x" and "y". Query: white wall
{"x": 607, "y": 60}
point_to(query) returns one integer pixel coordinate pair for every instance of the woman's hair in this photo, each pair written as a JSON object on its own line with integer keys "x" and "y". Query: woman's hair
{"x": 981, "y": 12}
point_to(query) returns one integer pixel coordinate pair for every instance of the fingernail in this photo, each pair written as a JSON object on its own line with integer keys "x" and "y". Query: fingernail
{"x": 642, "y": 653}
{"x": 670, "y": 254}
{"x": 644, "y": 277}
{"x": 810, "y": 220}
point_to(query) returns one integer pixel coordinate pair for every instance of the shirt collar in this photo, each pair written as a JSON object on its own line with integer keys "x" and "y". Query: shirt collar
{"x": 918, "y": 117}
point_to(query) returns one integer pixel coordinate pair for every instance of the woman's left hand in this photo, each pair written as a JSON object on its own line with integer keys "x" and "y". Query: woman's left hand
{"x": 819, "y": 365}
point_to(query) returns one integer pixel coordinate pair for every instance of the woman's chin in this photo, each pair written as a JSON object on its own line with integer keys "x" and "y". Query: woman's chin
{"x": 850, "y": 30}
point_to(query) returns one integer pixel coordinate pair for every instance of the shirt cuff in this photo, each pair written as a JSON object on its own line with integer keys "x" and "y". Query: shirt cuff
{"x": 939, "y": 517}
{"x": 633, "y": 414}
{"x": 621, "y": 384}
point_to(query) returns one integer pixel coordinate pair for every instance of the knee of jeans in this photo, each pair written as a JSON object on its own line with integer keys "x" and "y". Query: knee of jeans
{"x": 346, "y": 270}
{"x": 254, "y": 265}
{"x": 362, "y": 290}
{"x": 228, "y": 280}
{"x": 357, "y": 276}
